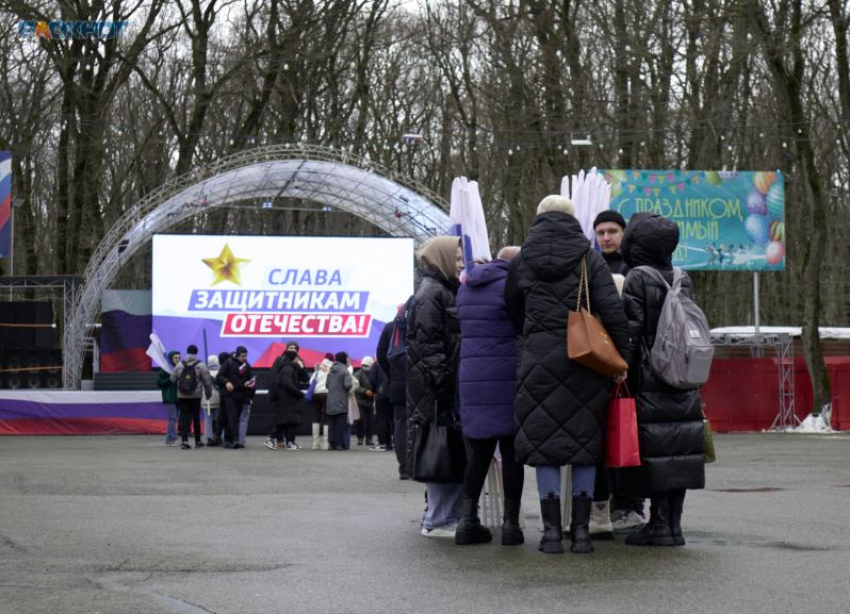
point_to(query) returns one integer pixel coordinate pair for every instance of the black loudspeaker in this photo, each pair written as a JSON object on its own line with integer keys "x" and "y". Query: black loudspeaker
{"x": 14, "y": 377}
{"x": 31, "y": 368}
{"x": 43, "y": 316}
{"x": 24, "y": 335}
{"x": 53, "y": 376}
{"x": 7, "y": 332}
{"x": 32, "y": 379}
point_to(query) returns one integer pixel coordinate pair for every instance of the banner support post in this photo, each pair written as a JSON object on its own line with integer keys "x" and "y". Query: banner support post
{"x": 756, "y": 322}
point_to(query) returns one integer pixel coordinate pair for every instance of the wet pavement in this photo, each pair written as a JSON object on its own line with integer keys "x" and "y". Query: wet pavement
{"x": 125, "y": 524}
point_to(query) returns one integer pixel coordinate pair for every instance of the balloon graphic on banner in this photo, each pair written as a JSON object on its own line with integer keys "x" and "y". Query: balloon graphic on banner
{"x": 758, "y": 229}
{"x": 616, "y": 189}
{"x": 775, "y": 252}
{"x": 713, "y": 177}
{"x": 756, "y": 203}
{"x": 775, "y": 200}
{"x": 777, "y": 231}
{"x": 763, "y": 180}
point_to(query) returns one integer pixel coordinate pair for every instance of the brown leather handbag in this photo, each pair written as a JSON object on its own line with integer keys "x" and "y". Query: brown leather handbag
{"x": 588, "y": 342}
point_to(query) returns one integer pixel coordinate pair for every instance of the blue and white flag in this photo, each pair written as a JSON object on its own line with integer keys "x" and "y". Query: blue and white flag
{"x": 467, "y": 221}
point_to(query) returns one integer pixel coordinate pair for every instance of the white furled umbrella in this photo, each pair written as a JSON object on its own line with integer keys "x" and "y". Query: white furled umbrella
{"x": 591, "y": 195}
{"x": 466, "y": 217}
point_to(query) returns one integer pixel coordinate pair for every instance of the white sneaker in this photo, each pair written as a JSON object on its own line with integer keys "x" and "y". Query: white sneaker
{"x": 447, "y": 531}
{"x": 600, "y": 521}
{"x": 271, "y": 444}
{"x": 378, "y": 448}
{"x": 317, "y": 443}
{"x": 293, "y": 446}
{"x": 626, "y": 520}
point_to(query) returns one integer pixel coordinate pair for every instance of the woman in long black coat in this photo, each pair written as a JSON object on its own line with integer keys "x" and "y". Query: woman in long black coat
{"x": 288, "y": 400}
{"x": 433, "y": 341}
{"x": 561, "y": 406}
{"x": 670, "y": 422}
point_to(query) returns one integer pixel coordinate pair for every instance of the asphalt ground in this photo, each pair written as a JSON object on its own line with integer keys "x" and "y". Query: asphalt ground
{"x": 124, "y": 524}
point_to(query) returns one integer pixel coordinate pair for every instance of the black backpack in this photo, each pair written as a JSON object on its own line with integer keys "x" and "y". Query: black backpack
{"x": 397, "y": 351}
{"x": 188, "y": 382}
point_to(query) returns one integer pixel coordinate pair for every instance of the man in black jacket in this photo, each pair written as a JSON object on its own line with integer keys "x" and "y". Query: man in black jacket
{"x": 237, "y": 382}
{"x": 626, "y": 513}
{"x": 394, "y": 363}
{"x": 609, "y": 227}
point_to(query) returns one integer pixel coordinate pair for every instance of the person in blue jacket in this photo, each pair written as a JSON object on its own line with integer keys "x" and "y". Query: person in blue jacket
{"x": 487, "y": 385}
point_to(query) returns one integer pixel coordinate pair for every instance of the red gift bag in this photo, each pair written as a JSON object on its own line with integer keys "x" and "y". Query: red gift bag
{"x": 621, "y": 449}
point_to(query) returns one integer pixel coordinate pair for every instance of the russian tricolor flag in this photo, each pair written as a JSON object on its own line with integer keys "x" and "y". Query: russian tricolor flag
{"x": 5, "y": 204}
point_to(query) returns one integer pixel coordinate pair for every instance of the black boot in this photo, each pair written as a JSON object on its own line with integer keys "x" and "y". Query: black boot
{"x": 656, "y": 532}
{"x": 511, "y": 533}
{"x": 579, "y": 529}
{"x": 469, "y": 529}
{"x": 553, "y": 530}
{"x": 677, "y": 504}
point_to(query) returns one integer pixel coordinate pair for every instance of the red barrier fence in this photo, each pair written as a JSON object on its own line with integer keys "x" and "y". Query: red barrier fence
{"x": 742, "y": 394}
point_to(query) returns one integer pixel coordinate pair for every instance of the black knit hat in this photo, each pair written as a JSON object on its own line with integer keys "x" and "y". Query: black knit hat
{"x": 609, "y": 216}
{"x": 241, "y": 350}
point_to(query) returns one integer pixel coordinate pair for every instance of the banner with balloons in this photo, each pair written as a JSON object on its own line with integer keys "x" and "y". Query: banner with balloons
{"x": 728, "y": 220}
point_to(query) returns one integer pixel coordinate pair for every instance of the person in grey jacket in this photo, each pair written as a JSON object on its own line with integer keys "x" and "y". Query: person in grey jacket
{"x": 193, "y": 380}
{"x": 340, "y": 382}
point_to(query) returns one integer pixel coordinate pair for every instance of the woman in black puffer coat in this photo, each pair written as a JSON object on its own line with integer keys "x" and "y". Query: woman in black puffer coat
{"x": 433, "y": 340}
{"x": 561, "y": 406}
{"x": 288, "y": 400}
{"x": 670, "y": 422}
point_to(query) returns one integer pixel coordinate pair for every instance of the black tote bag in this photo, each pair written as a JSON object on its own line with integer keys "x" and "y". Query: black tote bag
{"x": 439, "y": 453}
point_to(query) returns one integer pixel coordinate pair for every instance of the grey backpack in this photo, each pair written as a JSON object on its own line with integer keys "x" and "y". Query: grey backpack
{"x": 682, "y": 352}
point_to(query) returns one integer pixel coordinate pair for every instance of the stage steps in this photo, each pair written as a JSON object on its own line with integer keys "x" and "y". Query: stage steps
{"x": 126, "y": 381}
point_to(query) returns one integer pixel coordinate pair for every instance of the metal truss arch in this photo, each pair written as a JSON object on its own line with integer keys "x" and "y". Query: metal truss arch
{"x": 336, "y": 178}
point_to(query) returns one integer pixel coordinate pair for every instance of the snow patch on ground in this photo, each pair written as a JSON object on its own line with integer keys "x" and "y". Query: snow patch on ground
{"x": 816, "y": 423}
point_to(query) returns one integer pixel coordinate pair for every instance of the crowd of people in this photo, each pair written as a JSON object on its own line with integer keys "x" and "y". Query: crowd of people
{"x": 222, "y": 389}
{"x": 338, "y": 399}
{"x": 487, "y": 357}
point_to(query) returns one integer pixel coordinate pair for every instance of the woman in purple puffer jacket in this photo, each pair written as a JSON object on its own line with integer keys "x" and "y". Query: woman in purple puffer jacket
{"x": 487, "y": 385}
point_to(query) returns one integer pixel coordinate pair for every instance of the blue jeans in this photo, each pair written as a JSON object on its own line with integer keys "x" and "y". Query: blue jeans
{"x": 444, "y": 505}
{"x": 171, "y": 428}
{"x": 549, "y": 480}
{"x": 243, "y": 422}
